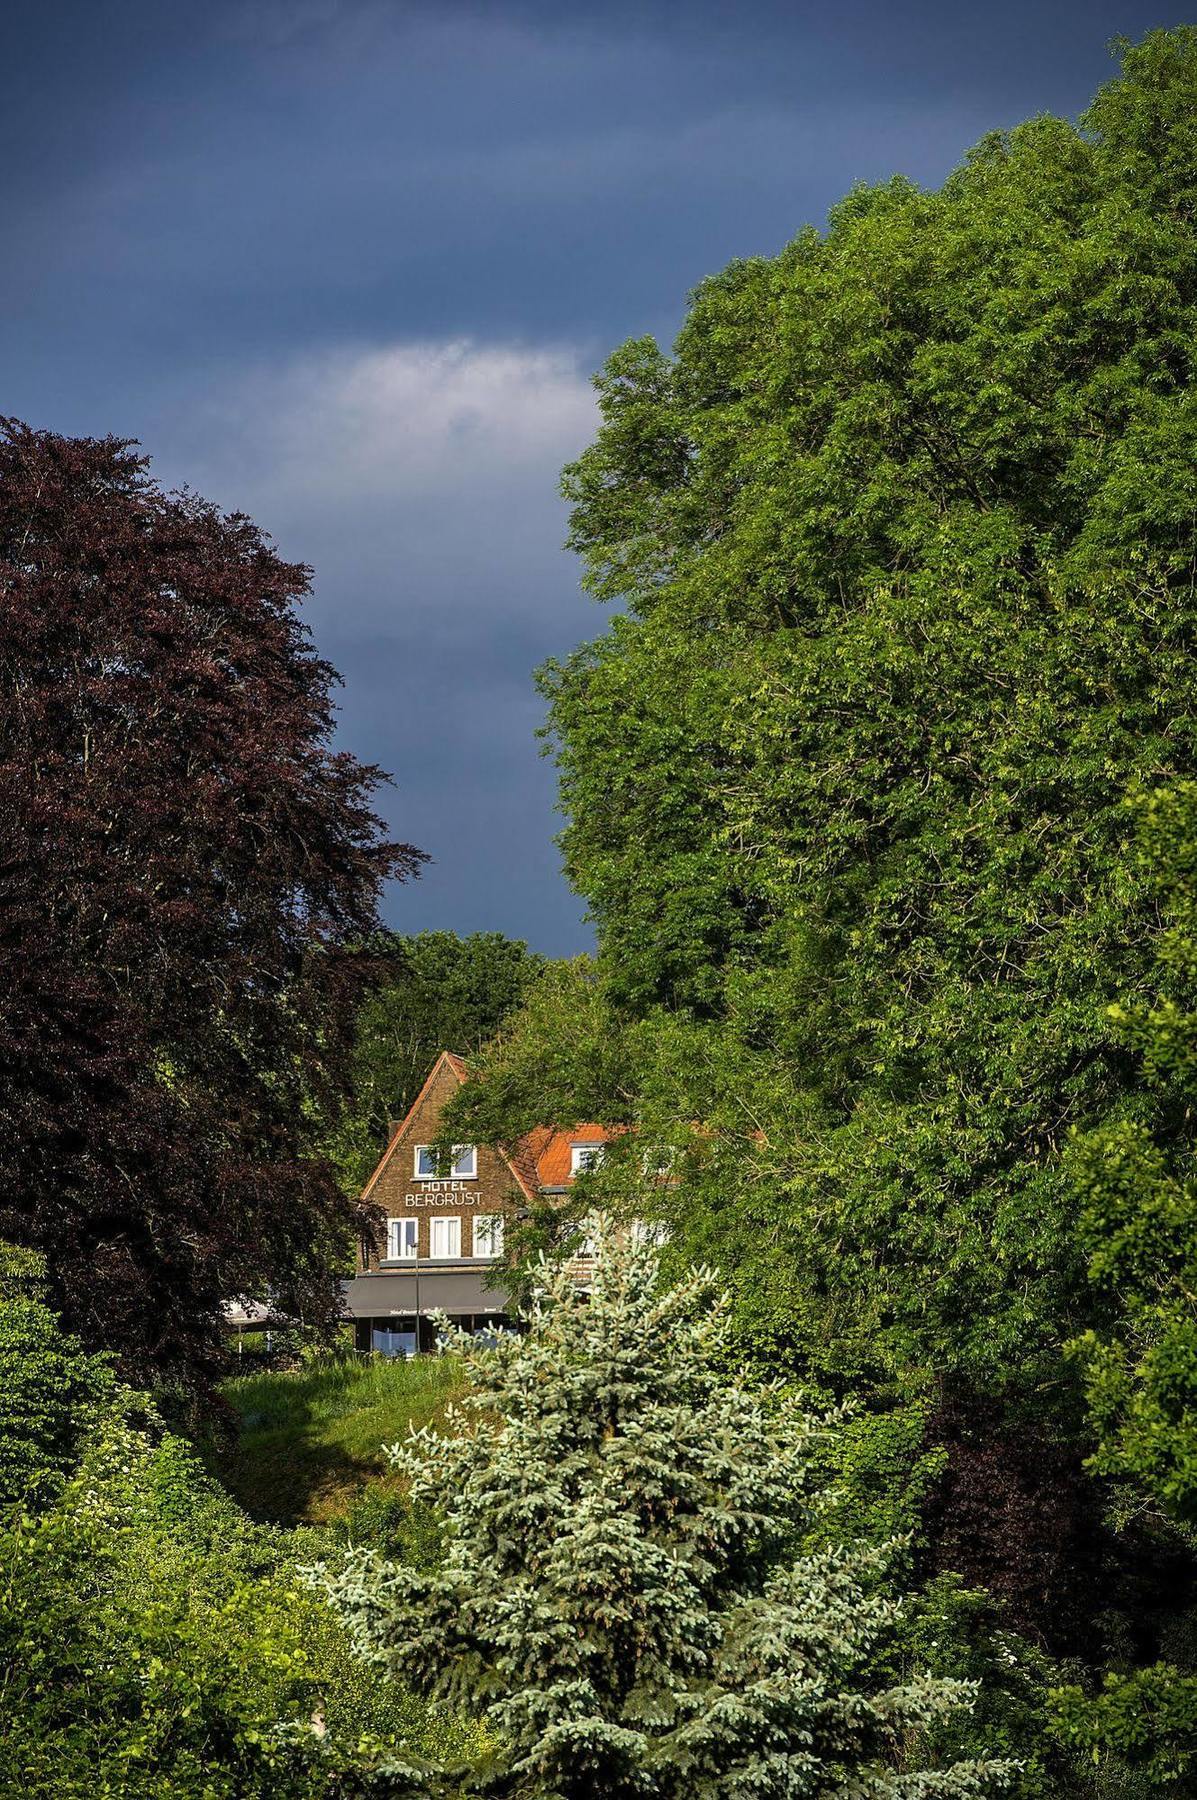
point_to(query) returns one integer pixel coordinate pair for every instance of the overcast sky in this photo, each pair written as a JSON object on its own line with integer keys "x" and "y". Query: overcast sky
{"x": 348, "y": 264}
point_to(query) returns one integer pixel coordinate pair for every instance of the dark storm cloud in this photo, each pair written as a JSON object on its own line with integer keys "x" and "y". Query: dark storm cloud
{"x": 346, "y": 264}
{"x": 420, "y": 480}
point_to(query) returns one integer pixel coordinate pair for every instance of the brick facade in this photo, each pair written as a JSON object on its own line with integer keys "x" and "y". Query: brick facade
{"x": 402, "y": 1193}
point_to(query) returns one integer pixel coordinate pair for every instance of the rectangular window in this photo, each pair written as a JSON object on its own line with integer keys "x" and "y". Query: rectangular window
{"x": 444, "y": 1237}
{"x": 583, "y": 1157}
{"x": 401, "y": 1239}
{"x": 464, "y": 1166}
{"x": 488, "y": 1234}
{"x": 393, "y": 1343}
{"x": 587, "y": 1243}
{"x": 649, "y": 1233}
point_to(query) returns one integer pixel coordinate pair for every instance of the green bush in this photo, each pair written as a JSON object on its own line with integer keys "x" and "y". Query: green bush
{"x": 140, "y": 1658}
{"x": 50, "y": 1389}
{"x": 1140, "y": 1730}
{"x": 154, "y": 1641}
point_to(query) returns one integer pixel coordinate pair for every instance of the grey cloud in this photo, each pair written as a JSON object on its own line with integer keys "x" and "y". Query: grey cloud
{"x": 419, "y": 480}
{"x": 344, "y": 263}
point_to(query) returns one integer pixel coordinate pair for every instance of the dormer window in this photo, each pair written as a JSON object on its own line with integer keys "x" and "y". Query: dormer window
{"x": 464, "y": 1166}
{"x": 583, "y": 1157}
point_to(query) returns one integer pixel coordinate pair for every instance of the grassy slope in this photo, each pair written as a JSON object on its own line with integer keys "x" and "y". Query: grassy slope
{"x": 310, "y": 1441}
{"x": 309, "y": 1445}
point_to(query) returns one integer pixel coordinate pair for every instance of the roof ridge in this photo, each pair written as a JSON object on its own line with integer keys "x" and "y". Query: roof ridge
{"x": 526, "y": 1155}
{"x": 443, "y": 1056}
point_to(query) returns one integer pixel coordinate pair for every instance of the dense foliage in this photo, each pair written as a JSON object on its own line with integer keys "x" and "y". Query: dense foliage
{"x": 903, "y": 1017}
{"x": 185, "y": 861}
{"x": 436, "y": 992}
{"x": 1138, "y": 1182}
{"x": 624, "y": 1596}
{"x": 902, "y": 535}
{"x": 906, "y": 546}
{"x": 154, "y": 1641}
{"x": 51, "y": 1389}
{"x": 909, "y": 610}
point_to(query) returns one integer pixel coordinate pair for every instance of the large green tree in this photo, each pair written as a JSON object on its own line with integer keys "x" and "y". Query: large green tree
{"x": 902, "y": 536}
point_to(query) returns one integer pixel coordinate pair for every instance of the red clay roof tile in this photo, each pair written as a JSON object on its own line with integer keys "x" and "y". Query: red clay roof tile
{"x": 553, "y": 1163}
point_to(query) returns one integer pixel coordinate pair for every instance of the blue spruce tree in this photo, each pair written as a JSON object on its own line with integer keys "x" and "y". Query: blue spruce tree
{"x": 623, "y": 1600}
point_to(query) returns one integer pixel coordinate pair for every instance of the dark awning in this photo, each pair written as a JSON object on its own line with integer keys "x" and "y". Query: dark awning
{"x": 441, "y": 1290}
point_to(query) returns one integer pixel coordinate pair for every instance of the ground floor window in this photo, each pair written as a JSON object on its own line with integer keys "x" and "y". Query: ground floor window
{"x": 394, "y": 1334}
{"x": 388, "y": 1342}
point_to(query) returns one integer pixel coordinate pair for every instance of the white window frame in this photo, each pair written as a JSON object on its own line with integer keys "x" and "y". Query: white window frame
{"x": 395, "y": 1250}
{"x": 443, "y": 1219}
{"x": 583, "y": 1157}
{"x": 649, "y": 1234}
{"x": 586, "y": 1249}
{"x": 488, "y": 1241}
{"x": 462, "y": 1153}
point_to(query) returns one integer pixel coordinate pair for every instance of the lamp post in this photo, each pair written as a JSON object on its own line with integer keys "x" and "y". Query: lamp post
{"x": 417, "y": 1275}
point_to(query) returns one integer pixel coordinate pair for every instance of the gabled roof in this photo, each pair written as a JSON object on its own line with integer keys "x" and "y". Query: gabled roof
{"x": 526, "y": 1157}
{"x": 539, "y": 1160}
{"x": 457, "y": 1066}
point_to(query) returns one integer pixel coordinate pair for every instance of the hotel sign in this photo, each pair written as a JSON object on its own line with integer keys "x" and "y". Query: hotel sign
{"x": 442, "y": 1193}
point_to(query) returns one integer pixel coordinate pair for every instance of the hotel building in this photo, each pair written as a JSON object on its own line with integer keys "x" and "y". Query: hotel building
{"x": 440, "y": 1241}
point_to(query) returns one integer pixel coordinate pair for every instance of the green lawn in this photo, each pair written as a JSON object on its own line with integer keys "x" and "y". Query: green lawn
{"x": 309, "y": 1441}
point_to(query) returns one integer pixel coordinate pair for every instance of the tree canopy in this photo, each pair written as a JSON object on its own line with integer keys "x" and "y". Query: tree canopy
{"x": 903, "y": 531}
{"x": 901, "y": 541}
{"x": 186, "y": 864}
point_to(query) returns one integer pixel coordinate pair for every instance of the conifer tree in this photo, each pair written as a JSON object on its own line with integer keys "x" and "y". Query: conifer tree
{"x": 624, "y": 1598}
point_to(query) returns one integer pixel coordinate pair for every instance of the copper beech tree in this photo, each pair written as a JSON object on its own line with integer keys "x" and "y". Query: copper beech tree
{"x": 185, "y": 866}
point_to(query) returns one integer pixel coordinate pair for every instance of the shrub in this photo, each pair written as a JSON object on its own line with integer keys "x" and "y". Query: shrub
{"x": 153, "y": 1641}
{"x": 49, "y": 1386}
